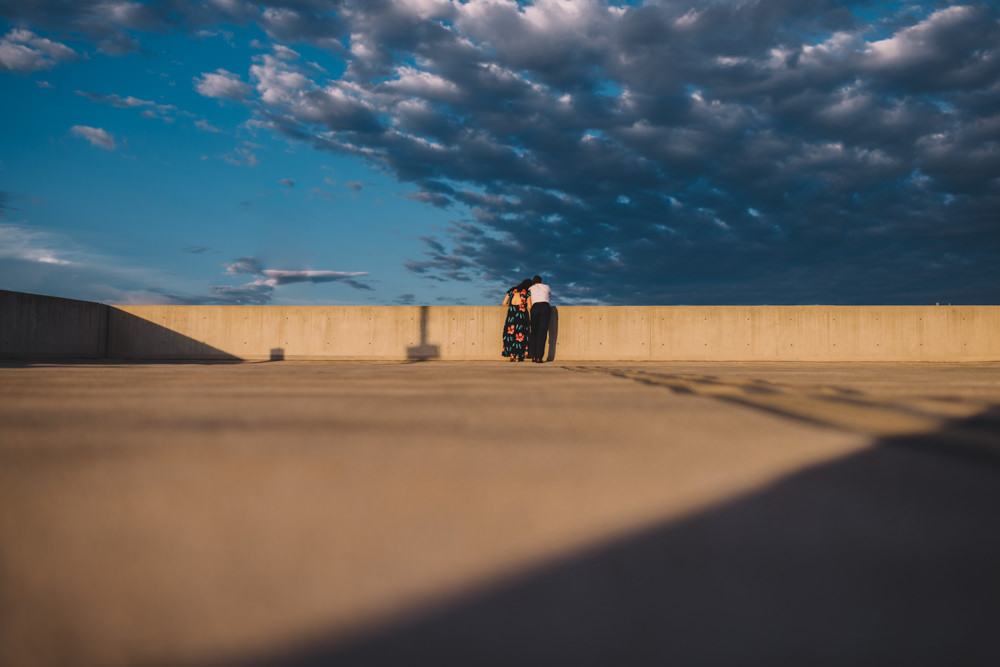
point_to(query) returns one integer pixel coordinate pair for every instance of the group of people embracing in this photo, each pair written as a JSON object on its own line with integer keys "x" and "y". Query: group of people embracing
{"x": 527, "y": 323}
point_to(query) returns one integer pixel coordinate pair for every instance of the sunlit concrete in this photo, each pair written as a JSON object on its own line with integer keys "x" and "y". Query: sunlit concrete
{"x": 40, "y": 327}
{"x": 496, "y": 513}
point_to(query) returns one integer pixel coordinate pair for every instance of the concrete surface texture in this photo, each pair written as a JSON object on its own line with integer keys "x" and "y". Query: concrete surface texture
{"x": 33, "y": 327}
{"x": 577, "y": 333}
{"x": 363, "y": 513}
{"x": 38, "y": 327}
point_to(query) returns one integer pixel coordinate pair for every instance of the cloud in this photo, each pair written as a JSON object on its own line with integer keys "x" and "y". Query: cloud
{"x": 260, "y": 290}
{"x": 39, "y": 261}
{"x": 43, "y": 262}
{"x": 95, "y": 136}
{"x": 24, "y": 51}
{"x": 275, "y": 277}
{"x": 208, "y": 127}
{"x": 706, "y": 152}
{"x": 668, "y": 154}
{"x": 222, "y": 84}
{"x": 149, "y": 109}
{"x": 243, "y": 155}
{"x": 287, "y": 277}
{"x": 287, "y": 182}
{"x": 243, "y": 265}
{"x": 30, "y": 245}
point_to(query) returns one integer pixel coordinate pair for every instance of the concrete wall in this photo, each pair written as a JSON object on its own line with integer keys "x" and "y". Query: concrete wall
{"x": 580, "y": 333}
{"x": 306, "y": 332}
{"x": 45, "y": 327}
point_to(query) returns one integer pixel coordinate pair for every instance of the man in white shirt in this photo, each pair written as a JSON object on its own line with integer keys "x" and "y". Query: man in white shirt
{"x": 541, "y": 311}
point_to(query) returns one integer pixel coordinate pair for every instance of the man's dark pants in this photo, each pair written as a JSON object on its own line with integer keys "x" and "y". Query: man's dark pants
{"x": 540, "y": 314}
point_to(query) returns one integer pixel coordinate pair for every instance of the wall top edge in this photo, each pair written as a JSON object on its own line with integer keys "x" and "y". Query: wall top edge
{"x": 557, "y": 305}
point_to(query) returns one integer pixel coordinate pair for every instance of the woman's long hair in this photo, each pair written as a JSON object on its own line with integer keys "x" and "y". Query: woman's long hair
{"x": 523, "y": 285}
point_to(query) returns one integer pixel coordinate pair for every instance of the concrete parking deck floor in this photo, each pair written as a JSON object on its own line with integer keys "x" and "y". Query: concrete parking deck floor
{"x": 361, "y": 513}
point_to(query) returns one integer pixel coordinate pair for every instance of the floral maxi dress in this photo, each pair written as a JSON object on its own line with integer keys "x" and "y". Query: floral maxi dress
{"x": 516, "y": 327}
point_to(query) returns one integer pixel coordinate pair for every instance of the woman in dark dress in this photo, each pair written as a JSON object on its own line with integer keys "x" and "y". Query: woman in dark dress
{"x": 518, "y": 322}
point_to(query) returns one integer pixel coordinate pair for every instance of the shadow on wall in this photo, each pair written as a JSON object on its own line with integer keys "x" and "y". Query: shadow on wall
{"x": 131, "y": 337}
{"x": 887, "y": 557}
{"x": 553, "y": 334}
{"x": 424, "y": 350}
{"x": 33, "y": 327}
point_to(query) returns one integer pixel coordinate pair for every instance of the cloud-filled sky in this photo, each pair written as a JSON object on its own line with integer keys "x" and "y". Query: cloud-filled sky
{"x": 439, "y": 151}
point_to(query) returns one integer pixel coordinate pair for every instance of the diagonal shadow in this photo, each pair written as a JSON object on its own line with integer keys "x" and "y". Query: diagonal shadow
{"x": 887, "y": 557}
{"x": 138, "y": 339}
{"x": 842, "y": 408}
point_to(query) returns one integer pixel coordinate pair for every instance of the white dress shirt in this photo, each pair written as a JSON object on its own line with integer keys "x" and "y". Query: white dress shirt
{"x": 540, "y": 293}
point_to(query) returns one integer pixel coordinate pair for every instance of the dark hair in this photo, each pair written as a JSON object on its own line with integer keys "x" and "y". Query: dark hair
{"x": 524, "y": 284}
{"x": 538, "y": 279}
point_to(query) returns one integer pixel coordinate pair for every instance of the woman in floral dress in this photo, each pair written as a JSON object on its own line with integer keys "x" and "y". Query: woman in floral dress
{"x": 517, "y": 325}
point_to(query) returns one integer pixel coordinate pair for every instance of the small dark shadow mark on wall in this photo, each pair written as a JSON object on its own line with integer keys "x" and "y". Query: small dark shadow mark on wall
{"x": 423, "y": 351}
{"x": 278, "y": 354}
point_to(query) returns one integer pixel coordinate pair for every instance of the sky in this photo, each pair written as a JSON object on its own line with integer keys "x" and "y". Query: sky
{"x": 436, "y": 152}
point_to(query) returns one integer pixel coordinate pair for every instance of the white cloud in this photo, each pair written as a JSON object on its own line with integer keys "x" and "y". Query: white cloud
{"x": 42, "y": 262}
{"x": 427, "y": 8}
{"x": 273, "y": 277}
{"x": 278, "y": 277}
{"x": 222, "y": 84}
{"x": 259, "y": 291}
{"x": 410, "y": 81}
{"x": 95, "y": 136}
{"x": 276, "y": 83}
{"x": 284, "y": 53}
{"x": 32, "y": 245}
{"x": 24, "y": 51}
{"x": 916, "y": 42}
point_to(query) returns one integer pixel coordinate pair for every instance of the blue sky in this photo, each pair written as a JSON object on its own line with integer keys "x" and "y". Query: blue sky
{"x": 438, "y": 151}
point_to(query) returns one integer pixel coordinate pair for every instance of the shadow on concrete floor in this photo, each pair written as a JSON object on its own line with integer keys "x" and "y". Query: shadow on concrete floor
{"x": 888, "y": 557}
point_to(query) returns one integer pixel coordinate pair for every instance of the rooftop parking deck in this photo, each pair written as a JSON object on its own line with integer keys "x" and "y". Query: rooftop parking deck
{"x": 483, "y": 513}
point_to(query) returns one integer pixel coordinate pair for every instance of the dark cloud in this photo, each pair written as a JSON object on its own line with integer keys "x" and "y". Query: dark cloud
{"x": 776, "y": 151}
